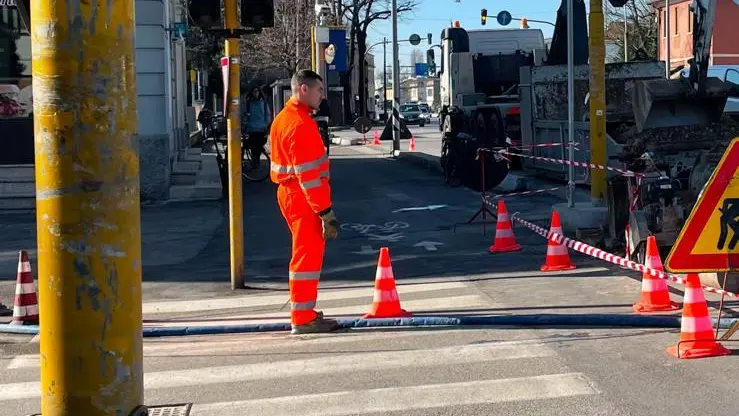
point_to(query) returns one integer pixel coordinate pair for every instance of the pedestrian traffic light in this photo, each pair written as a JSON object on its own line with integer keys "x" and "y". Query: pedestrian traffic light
{"x": 524, "y": 23}
{"x": 483, "y": 16}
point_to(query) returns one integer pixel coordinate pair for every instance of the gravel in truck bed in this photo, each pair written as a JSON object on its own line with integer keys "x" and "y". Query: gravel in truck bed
{"x": 676, "y": 138}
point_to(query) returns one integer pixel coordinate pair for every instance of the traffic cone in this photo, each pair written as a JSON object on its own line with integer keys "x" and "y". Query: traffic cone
{"x": 25, "y": 306}
{"x": 697, "y": 338}
{"x": 558, "y": 257}
{"x": 505, "y": 241}
{"x": 412, "y": 144}
{"x": 654, "y": 293}
{"x": 375, "y": 139}
{"x": 386, "y": 303}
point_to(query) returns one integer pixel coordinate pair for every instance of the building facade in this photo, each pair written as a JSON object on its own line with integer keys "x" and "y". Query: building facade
{"x": 161, "y": 95}
{"x": 724, "y": 45}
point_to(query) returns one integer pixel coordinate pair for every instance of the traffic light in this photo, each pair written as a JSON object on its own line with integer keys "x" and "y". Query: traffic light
{"x": 524, "y": 23}
{"x": 429, "y": 37}
{"x": 483, "y": 16}
{"x": 206, "y": 14}
{"x": 257, "y": 14}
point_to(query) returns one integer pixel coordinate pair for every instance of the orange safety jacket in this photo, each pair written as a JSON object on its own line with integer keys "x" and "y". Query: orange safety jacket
{"x": 298, "y": 156}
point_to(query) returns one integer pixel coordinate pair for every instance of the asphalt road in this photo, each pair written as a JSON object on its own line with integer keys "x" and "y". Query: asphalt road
{"x": 424, "y": 371}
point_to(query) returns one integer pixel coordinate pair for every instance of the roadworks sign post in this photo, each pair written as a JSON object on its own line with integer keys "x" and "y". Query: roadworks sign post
{"x": 709, "y": 240}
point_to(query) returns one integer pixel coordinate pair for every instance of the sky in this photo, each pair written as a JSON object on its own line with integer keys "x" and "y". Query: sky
{"x": 434, "y": 15}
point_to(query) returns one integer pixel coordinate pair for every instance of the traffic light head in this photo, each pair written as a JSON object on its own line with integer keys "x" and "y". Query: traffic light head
{"x": 483, "y": 16}
{"x": 524, "y": 23}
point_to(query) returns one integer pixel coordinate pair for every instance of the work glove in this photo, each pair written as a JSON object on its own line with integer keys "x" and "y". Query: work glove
{"x": 330, "y": 225}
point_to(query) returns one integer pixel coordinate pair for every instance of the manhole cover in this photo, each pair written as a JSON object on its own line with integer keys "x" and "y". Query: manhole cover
{"x": 170, "y": 410}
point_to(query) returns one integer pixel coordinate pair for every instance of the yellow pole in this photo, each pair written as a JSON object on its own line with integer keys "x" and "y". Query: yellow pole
{"x": 597, "y": 102}
{"x": 235, "y": 196}
{"x": 87, "y": 208}
{"x": 313, "y": 47}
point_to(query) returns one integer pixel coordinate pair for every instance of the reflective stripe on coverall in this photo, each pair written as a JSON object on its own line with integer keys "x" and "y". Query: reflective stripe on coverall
{"x": 300, "y": 166}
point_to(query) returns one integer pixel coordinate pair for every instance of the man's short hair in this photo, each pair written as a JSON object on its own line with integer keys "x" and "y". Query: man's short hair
{"x": 304, "y": 76}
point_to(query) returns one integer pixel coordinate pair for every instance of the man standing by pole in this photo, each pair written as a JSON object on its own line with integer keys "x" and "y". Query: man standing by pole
{"x": 301, "y": 168}
{"x": 87, "y": 208}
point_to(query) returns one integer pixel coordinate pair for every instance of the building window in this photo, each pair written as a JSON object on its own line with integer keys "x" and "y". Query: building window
{"x": 674, "y": 22}
{"x": 690, "y": 21}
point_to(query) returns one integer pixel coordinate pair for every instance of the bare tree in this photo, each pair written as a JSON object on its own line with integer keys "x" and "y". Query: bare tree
{"x": 360, "y": 14}
{"x": 284, "y": 47}
{"x": 640, "y": 27}
{"x": 416, "y": 57}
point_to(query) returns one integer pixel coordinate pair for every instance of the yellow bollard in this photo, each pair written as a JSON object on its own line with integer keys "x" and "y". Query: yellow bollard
{"x": 87, "y": 207}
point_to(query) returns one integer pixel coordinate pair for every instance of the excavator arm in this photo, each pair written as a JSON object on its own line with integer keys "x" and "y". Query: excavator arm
{"x": 704, "y": 17}
{"x": 697, "y": 100}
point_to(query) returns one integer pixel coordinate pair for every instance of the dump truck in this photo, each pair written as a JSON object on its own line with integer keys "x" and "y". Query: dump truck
{"x": 479, "y": 77}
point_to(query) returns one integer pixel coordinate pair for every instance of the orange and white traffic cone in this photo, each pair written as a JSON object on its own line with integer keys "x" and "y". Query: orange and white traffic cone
{"x": 558, "y": 257}
{"x": 412, "y": 144}
{"x": 505, "y": 241}
{"x": 25, "y": 305}
{"x": 375, "y": 139}
{"x": 655, "y": 295}
{"x": 697, "y": 338}
{"x": 386, "y": 303}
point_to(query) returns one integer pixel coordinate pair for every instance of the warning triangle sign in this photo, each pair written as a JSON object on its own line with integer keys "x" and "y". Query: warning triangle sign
{"x": 709, "y": 240}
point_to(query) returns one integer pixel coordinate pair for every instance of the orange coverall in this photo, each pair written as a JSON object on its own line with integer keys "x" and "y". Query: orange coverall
{"x": 300, "y": 167}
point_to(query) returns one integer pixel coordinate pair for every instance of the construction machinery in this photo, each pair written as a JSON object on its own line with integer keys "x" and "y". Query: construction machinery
{"x": 695, "y": 100}
{"x": 672, "y": 132}
{"x": 479, "y": 78}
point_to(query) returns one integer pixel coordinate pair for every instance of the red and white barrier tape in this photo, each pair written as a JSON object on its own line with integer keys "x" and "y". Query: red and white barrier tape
{"x": 522, "y": 193}
{"x": 624, "y": 172}
{"x": 532, "y": 146}
{"x": 612, "y": 258}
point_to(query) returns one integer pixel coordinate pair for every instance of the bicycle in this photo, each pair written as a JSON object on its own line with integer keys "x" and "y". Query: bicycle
{"x": 251, "y": 170}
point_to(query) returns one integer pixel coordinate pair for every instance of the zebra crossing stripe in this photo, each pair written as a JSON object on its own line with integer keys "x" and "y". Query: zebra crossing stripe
{"x": 399, "y": 399}
{"x": 356, "y": 362}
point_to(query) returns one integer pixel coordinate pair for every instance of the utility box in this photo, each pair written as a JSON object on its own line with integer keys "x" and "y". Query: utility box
{"x": 281, "y": 93}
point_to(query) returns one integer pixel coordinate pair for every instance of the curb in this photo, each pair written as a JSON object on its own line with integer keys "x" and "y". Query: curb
{"x": 594, "y": 320}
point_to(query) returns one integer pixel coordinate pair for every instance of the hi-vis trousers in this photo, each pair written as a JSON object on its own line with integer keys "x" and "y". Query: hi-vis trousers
{"x": 308, "y": 247}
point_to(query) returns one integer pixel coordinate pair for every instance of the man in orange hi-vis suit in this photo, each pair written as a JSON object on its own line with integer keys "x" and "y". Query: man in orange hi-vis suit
{"x": 300, "y": 167}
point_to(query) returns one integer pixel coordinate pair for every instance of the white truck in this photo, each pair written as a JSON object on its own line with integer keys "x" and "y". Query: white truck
{"x": 479, "y": 75}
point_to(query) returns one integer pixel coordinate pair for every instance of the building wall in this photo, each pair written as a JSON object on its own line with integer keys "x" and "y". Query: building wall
{"x": 724, "y": 47}
{"x": 154, "y": 108}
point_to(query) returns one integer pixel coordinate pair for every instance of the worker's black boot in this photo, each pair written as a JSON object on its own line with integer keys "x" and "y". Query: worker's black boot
{"x": 318, "y": 325}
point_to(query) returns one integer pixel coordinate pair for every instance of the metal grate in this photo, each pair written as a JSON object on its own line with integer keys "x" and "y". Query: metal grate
{"x": 170, "y": 410}
{"x": 164, "y": 410}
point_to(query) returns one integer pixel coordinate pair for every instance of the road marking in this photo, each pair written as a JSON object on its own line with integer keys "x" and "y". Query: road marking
{"x": 400, "y": 399}
{"x": 198, "y": 347}
{"x": 278, "y": 300}
{"x": 364, "y": 361}
{"x": 366, "y": 250}
{"x": 428, "y": 245}
{"x": 430, "y": 305}
{"x": 426, "y": 208}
